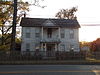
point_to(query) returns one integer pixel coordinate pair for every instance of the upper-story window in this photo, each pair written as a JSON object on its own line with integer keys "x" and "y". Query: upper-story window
{"x": 28, "y": 33}
{"x": 62, "y": 33}
{"x": 37, "y": 32}
{"x": 28, "y": 30}
{"x": 49, "y": 33}
{"x": 71, "y": 34}
{"x": 37, "y": 35}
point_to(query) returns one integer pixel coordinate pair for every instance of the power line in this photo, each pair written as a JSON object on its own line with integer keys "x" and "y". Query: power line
{"x": 90, "y": 24}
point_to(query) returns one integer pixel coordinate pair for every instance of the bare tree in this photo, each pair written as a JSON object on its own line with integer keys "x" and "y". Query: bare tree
{"x": 67, "y": 13}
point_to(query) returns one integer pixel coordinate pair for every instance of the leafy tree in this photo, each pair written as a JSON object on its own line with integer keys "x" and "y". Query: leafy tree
{"x": 67, "y": 13}
{"x": 85, "y": 46}
{"x": 95, "y": 45}
{"x": 6, "y": 45}
{"x": 84, "y": 43}
{"x": 18, "y": 44}
{"x": 6, "y": 16}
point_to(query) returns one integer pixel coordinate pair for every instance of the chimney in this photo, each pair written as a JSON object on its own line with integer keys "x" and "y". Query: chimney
{"x": 24, "y": 14}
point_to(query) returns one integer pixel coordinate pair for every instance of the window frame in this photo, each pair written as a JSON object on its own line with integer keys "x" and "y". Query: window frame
{"x": 62, "y": 47}
{"x": 49, "y": 32}
{"x": 71, "y": 34}
{"x": 37, "y": 35}
{"x": 62, "y": 35}
{"x": 28, "y": 47}
{"x": 28, "y": 35}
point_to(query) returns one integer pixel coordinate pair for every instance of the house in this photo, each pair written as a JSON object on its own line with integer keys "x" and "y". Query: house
{"x": 49, "y": 35}
{"x": 85, "y": 48}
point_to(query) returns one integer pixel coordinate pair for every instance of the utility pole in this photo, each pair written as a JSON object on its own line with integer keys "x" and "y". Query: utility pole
{"x": 13, "y": 37}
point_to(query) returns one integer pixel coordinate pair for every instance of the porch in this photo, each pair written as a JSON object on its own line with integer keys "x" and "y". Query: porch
{"x": 49, "y": 49}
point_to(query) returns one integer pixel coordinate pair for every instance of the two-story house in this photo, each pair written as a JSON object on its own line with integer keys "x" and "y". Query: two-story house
{"x": 49, "y": 35}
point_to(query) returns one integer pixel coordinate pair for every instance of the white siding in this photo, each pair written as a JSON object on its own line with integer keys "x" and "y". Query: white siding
{"x": 66, "y": 41}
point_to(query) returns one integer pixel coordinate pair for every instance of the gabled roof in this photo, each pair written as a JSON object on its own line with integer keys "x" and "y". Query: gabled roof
{"x": 39, "y": 22}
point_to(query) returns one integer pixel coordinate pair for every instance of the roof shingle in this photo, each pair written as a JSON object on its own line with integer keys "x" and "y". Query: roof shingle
{"x": 35, "y": 22}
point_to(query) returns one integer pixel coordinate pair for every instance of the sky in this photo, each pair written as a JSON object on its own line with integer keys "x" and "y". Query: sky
{"x": 88, "y": 14}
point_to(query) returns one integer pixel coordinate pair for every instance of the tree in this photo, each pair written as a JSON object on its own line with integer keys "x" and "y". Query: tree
{"x": 67, "y": 13}
{"x": 14, "y": 26}
{"x": 14, "y": 22}
{"x": 6, "y": 16}
{"x": 18, "y": 44}
{"x": 6, "y": 44}
{"x": 95, "y": 45}
{"x": 85, "y": 46}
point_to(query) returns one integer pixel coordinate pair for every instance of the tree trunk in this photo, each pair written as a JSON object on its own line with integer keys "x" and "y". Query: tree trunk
{"x": 2, "y": 31}
{"x": 14, "y": 26}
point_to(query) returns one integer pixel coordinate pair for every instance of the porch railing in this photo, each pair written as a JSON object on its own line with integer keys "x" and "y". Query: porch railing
{"x": 50, "y": 40}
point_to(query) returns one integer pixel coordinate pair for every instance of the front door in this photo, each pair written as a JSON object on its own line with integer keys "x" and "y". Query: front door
{"x": 50, "y": 50}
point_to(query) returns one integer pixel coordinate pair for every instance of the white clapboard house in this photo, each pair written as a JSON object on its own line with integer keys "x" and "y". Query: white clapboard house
{"x": 49, "y": 35}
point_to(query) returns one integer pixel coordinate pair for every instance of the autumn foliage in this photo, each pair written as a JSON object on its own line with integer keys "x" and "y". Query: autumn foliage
{"x": 95, "y": 45}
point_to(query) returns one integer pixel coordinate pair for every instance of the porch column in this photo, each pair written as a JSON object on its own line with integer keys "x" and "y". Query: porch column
{"x": 45, "y": 46}
{"x": 42, "y": 33}
{"x": 56, "y": 47}
{"x": 45, "y": 49}
{"x": 57, "y": 52}
{"x": 41, "y": 46}
{"x": 59, "y": 32}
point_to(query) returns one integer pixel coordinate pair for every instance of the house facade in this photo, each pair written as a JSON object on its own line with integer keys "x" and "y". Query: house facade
{"x": 49, "y": 35}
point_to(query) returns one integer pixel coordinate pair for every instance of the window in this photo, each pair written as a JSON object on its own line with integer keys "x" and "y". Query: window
{"x": 71, "y": 47}
{"x": 37, "y": 35}
{"x": 37, "y": 32}
{"x": 27, "y": 46}
{"x": 71, "y": 34}
{"x": 27, "y": 35}
{"x": 28, "y": 30}
{"x": 62, "y": 47}
{"x": 37, "y": 46}
{"x": 49, "y": 33}
{"x": 62, "y": 35}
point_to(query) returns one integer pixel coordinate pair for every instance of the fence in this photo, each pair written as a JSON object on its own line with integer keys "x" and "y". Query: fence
{"x": 45, "y": 55}
{"x": 41, "y": 55}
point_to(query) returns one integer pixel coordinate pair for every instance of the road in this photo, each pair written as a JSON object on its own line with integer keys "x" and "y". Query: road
{"x": 49, "y": 69}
